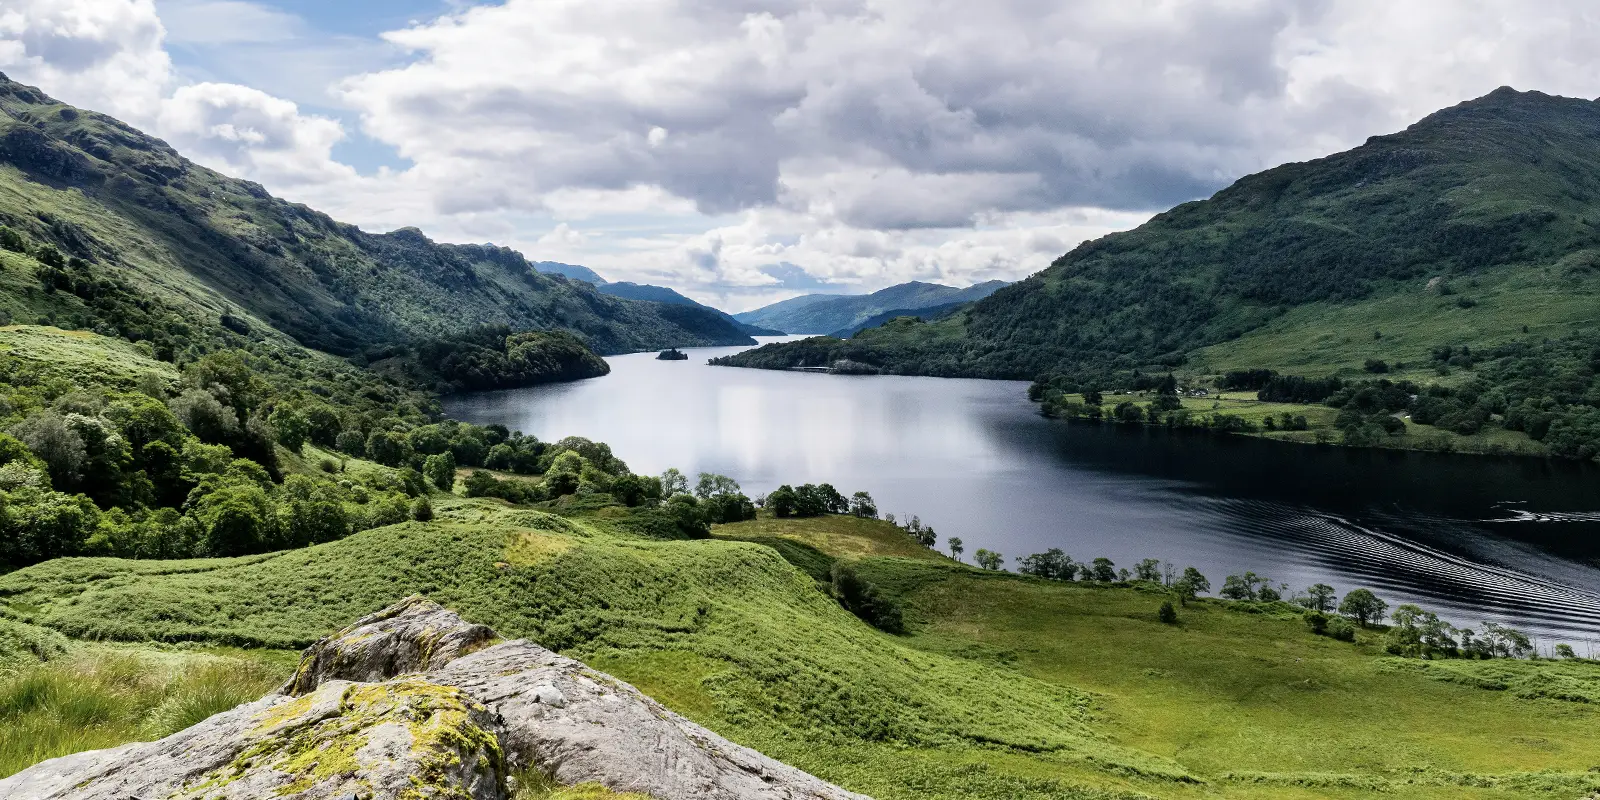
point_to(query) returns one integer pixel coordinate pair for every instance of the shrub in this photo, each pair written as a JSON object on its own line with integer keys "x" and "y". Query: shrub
{"x": 863, "y": 599}
{"x": 1167, "y": 614}
{"x": 422, "y": 510}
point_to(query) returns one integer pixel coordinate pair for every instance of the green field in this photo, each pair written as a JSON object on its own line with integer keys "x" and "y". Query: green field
{"x": 1006, "y": 687}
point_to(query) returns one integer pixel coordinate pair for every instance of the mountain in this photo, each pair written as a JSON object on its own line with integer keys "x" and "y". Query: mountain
{"x": 573, "y": 271}
{"x": 661, "y": 294}
{"x": 929, "y": 314}
{"x": 103, "y": 192}
{"x": 1476, "y": 226}
{"x": 826, "y": 313}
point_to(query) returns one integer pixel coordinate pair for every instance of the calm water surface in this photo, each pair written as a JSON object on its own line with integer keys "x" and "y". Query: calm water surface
{"x": 1513, "y": 540}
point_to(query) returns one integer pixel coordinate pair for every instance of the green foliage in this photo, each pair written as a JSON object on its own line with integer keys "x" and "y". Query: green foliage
{"x": 441, "y": 471}
{"x": 863, "y": 599}
{"x": 1167, "y": 614}
{"x": 493, "y": 357}
{"x": 1363, "y": 606}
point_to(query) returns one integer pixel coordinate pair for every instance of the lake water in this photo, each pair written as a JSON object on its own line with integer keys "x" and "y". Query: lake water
{"x": 1474, "y": 538}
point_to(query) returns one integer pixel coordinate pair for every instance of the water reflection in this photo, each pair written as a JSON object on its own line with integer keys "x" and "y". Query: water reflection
{"x": 1506, "y": 539}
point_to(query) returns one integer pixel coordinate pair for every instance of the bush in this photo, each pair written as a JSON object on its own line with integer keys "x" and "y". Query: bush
{"x": 1167, "y": 614}
{"x": 440, "y": 470}
{"x": 352, "y": 442}
{"x": 866, "y": 601}
{"x": 422, "y": 510}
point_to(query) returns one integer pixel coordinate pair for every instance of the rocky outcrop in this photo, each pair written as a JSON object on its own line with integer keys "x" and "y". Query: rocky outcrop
{"x": 414, "y": 702}
{"x": 413, "y": 635}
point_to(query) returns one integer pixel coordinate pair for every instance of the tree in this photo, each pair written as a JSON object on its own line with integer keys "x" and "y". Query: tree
{"x": 861, "y": 505}
{"x": 1196, "y": 581}
{"x": 1406, "y": 615}
{"x": 1103, "y": 570}
{"x": 310, "y": 513}
{"x": 988, "y": 559}
{"x": 440, "y": 470}
{"x": 1236, "y": 587}
{"x": 1167, "y": 613}
{"x": 711, "y": 485}
{"x": 782, "y": 501}
{"x": 388, "y": 448}
{"x": 61, "y": 448}
{"x": 1319, "y": 597}
{"x": 1565, "y": 651}
{"x": 290, "y": 427}
{"x": 674, "y": 482}
{"x": 237, "y": 519}
{"x": 955, "y": 547}
{"x": 1052, "y": 564}
{"x": 1148, "y": 569}
{"x": 1363, "y": 606}
{"x": 353, "y": 442}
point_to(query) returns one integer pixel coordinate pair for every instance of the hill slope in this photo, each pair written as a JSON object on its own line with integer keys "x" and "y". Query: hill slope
{"x": 98, "y": 189}
{"x": 1473, "y": 222}
{"x": 1005, "y": 686}
{"x": 661, "y": 294}
{"x": 826, "y": 313}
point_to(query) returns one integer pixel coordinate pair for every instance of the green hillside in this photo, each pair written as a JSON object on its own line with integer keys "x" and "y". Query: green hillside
{"x": 1005, "y": 687}
{"x": 1469, "y": 240}
{"x": 132, "y": 206}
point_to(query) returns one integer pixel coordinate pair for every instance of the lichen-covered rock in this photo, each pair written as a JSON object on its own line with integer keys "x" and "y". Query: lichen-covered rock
{"x": 403, "y": 738}
{"x": 414, "y": 635}
{"x": 414, "y": 703}
{"x": 582, "y": 726}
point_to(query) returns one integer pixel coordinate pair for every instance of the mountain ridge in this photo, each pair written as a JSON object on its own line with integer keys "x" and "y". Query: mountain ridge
{"x": 98, "y": 188}
{"x": 827, "y": 313}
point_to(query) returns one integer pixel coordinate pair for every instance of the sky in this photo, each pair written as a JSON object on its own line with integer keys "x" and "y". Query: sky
{"x": 744, "y": 151}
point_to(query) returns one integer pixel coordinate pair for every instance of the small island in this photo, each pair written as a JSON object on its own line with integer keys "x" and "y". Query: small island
{"x": 672, "y": 354}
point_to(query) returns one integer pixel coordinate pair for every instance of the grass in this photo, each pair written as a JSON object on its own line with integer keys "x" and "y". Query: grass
{"x": 96, "y": 696}
{"x": 80, "y": 356}
{"x": 837, "y": 536}
{"x": 1226, "y": 692}
{"x": 1007, "y": 687}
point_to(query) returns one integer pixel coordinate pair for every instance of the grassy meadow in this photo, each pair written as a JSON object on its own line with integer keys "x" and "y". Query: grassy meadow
{"x": 1006, "y": 686}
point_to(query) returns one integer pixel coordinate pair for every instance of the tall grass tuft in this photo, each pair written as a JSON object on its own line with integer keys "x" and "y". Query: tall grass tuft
{"x": 96, "y": 698}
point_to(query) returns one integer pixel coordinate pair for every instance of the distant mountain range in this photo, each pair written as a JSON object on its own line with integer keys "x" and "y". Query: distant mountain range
{"x": 846, "y": 314}
{"x": 661, "y": 294}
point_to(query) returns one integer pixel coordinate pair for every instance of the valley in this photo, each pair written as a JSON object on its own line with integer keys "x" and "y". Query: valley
{"x": 231, "y": 426}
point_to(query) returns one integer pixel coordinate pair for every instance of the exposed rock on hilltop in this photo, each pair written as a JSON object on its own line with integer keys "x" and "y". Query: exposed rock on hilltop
{"x": 415, "y": 702}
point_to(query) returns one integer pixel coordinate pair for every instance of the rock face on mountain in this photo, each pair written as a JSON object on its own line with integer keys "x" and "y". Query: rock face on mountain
{"x": 415, "y": 702}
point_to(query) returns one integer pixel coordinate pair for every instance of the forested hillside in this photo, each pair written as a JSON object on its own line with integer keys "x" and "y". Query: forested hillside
{"x": 102, "y": 192}
{"x": 1461, "y": 254}
{"x": 825, "y": 313}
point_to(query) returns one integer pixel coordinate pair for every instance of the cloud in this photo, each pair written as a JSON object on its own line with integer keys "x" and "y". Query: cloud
{"x": 792, "y": 276}
{"x": 100, "y": 54}
{"x": 862, "y": 142}
{"x": 249, "y": 132}
{"x": 218, "y": 22}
